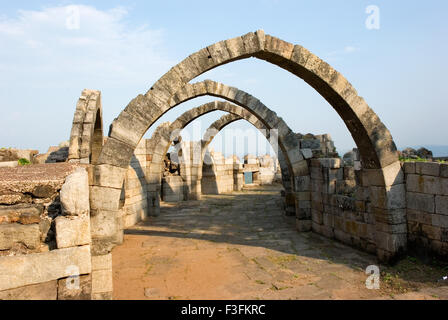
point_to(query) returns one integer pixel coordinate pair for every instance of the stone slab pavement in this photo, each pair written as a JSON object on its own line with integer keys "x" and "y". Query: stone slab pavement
{"x": 241, "y": 246}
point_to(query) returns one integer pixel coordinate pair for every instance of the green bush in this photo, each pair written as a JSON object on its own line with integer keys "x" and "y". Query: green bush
{"x": 23, "y": 162}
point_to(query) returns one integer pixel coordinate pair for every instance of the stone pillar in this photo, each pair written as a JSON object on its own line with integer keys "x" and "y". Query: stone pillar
{"x": 102, "y": 281}
{"x": 388, "y": 204}
{"x": 302, "y": 197}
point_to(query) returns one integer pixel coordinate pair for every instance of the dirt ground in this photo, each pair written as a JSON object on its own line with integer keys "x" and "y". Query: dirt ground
{"x": 241, "y": 246}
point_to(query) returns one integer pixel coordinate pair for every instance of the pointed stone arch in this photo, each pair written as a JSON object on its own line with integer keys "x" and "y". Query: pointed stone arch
{"x": 166, "y": 133}
{"x": 86, "y": 137}
{"x": 373, "y": 139}
{"x": 228, "y": 119}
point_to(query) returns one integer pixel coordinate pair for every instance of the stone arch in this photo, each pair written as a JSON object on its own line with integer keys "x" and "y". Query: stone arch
{"x": 229, "y": 118}
{"x": 166, "y": 133}
{"x": 373, "y": 139}
{"x": 86, "y": 137}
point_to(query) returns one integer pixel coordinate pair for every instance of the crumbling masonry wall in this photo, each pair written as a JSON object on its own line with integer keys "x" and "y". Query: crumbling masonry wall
{"x": 427, "y": 207}
{"x": 45, "y": 232}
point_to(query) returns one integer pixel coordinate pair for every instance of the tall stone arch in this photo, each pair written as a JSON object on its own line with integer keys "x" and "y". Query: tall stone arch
{"x": 373, "y": 139}
{"x": 86, "y": 137}
{"x": 228, "y": 119}
{"x": 165, "y": 134}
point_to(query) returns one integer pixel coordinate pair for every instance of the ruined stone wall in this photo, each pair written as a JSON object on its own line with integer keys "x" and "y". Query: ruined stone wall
{"x": 218, "y": 177}
{"x": 45, "y": 232}
{"x": 340, "y": 203}
{"x": 427, "y": 207}
{"x": 173, "y": 189}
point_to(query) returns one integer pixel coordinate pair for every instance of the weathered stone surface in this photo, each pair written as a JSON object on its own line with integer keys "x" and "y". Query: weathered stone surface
{"x": 423, "y": 184}
{"x": 393, "y": 197}
{"x": 21, "y": 213}
{"x": 103, "y": 262}
{"x": 18, "y": 271}
{"x": 307, "y": 153}
{"x": 28, "y": 235}
{"x": 421, "y": 201}
{"x": 81, "y": 291}
{"x": 330, "y": 162}
{"x": 104, "y": 223}
{"x": 41, "y": 291}
{"x": 391, "y": 242}
{"x": 74, "y": 194}
{"x": 428, "y": 168}
{"x": 102, "y": 281}
{"x": 108, "y": 176}
{"x": 41, "y": 180}
{"x": 387, "y": 176}
{"x": 444, "y": 170}
{"x": 102, "y": 198}
{"x": 441, "y": 205}
{"x": 72, "y": 231}
{"x": 409, "y": 167}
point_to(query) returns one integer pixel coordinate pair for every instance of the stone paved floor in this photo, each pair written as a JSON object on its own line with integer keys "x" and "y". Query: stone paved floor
{"x": 239, "y": 246}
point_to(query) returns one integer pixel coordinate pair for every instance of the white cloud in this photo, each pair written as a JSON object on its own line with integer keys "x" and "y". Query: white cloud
{"x": 40, "y": 48}
{"x": 332, "y": 56}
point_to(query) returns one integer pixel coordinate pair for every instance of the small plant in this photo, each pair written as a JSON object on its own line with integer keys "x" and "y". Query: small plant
{"x": 23, "y": 162}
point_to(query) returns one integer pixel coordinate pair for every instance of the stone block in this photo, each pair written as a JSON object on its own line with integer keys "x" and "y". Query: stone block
{"x": 421, "y": 201}
{"x": 393, "y": 197}
{"x": 439, "y": 220}
{"x": 423, "y": 184}
{"x": 303, "y": 225}
{"x": 18, "y": 271}
{"x": 435, "y": 233}
{"x": 102, "y": 281}
{"x": 108, "y": 176}
{"x": 444, "y": 170}
{"x": 391, "y": 243}
{"x": 103, "y": 262}
{"x": 441, "y": 205}
{"x": 41, "y": 291}
{"x": 307, "y": 153}
{"x": 27, "y": 235}
{"x": 21, "y": 213}
{"x": 391, "y": 228}
{"x": 102, "y": 198}
{"x": 75, "y": 288}
{"x": 409, "y": 167}
{"x": 116, "y": 153}
{"x": 103, "y": 223}
{"x": 72, "y": 231}
{"x": 427, "y": 168}
{"x": 421, "y": 217}
{"x": 387, "y": 176}
{"x": 334, "y": 163}
{"x": 396, "y": 216}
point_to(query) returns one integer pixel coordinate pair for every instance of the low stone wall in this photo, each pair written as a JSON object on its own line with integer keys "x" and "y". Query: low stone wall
{"x": 340, "y": 204}
{"x": 45, "y": 232}
{"x": 427, "y": 207}
{"x": 173, "y": 189}
{"x": 218, "y": 177}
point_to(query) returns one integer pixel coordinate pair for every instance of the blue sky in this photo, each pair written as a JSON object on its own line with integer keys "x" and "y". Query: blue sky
{"x": 122, "y": 48}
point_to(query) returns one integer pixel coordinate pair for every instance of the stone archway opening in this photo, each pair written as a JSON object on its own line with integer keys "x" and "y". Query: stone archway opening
{"x": 377, "y": 148}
